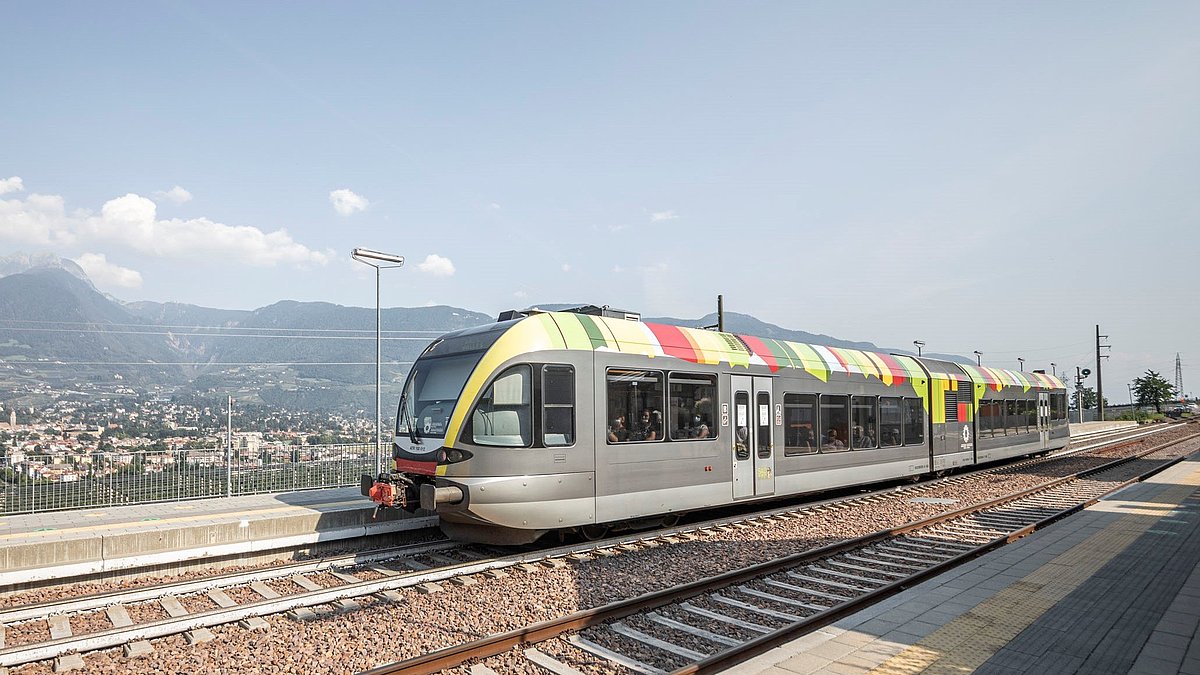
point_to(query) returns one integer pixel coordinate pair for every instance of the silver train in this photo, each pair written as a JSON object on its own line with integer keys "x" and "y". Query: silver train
{"x": 585, "y": 421}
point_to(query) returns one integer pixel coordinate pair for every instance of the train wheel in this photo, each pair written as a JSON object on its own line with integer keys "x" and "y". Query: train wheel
{"x": 671, "y": 520}
{"x": 593, "y": 532}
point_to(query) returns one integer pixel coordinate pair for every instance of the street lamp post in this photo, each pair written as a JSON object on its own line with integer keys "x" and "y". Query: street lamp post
{"x": 1022, "y": 362}
{"x": 1054, "y": 369}
{"x": 378, "y": 260}
{"x": 978, "y": 358}
{"x": 919, "y": 344}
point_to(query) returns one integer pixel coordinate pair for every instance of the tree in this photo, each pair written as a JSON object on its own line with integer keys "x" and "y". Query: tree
{"x": 1152, "y": 389}
{"x": 1089, "y": 398}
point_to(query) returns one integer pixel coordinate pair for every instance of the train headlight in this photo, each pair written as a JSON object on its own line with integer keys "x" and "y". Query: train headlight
{"x": 452, "y": 455}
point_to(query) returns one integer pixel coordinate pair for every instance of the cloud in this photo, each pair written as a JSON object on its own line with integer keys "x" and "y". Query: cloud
{"x": 520, "y": 295}
{"x": 663, "y": 215}
{"x": 346, "y": 202}
{"x": 176, "y": 194}
{"x": 13, "y": 184}
{"x": 437, "y": 266}
{"x": 494, "y": 206}
{"x": 132, "y": 221}
{"x": 566, "y": 267}
{"x": 106, "y": 274}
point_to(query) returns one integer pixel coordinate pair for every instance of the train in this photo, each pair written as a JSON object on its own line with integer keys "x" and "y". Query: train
{"x": 588, "y": 421}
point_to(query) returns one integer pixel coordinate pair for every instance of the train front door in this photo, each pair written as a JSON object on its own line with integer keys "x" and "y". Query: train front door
{"x": 1043, "y": 418}
{"x": 752, "y": 446}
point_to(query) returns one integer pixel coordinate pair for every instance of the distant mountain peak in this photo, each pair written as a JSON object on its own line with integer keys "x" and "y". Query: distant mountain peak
{"x": 19, "y": 262}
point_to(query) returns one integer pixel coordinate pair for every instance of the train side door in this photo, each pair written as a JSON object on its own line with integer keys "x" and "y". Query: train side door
{"x": 752, "y": 448}
{"x": 1043, "y": 418}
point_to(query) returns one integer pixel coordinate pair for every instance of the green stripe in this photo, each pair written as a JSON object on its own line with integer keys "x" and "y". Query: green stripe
{"x": 783, "y": 354}
{"x": 551, "y": 328}
{"x": 593, "y": 331}
{"x": 576, "y": 336}
{"x": 813, "y": 363}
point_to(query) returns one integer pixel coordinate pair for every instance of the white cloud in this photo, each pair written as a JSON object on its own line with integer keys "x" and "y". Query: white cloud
{"x": 13, "y": 184}
{"x": 520, "y": 295}
{"x": 437, "y": 266}
{"x": 346, "y": 202}
{"x": 133, "y": 221}
{"x": 106, "y": 274}
{"x": 663, "y": 215}
{"x": 176, "y": 194}
{"x": 494, "y": 206}
{"x": 566, "y": 267}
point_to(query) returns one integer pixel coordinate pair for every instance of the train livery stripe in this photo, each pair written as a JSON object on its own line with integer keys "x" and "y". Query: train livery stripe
{"x": 762, "y": 351}
{"x": 595, "y": 335}
{"x": 814, "y": 363}
{"x": 576, "y": 334}
{"x": 885, "y": 372}
{"x": 674, "y": 342}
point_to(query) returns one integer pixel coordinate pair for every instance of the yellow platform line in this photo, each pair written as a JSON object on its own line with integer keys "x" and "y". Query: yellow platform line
{"x": 150, "y": 524}
{"x": 964, "y": 644}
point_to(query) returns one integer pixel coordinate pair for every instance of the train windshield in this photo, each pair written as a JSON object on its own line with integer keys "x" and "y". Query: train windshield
{"x": 437, "y": 380}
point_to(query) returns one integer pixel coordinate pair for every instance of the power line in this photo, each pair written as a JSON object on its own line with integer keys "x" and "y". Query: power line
{"x": 243, "y": 335}
{"x": 25, "y": 364}
{"x": 93, "y": 324}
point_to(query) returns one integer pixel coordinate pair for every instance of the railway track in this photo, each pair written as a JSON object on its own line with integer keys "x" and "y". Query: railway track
{"x": 309, "y": 589}
{"x": 713, "y": 623}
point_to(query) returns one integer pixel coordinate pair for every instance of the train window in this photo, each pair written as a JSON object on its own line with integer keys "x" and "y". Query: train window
{"x": 558, "y": 405}
{"x": 914, "y": 421}
{"x": 741, "y": 426}
{"x": 991, "y": 418}
{"x": 799, "y": 424}
{"x": 504, "y": 413}
{"x": 1060, "y": 405}
{"x": 635, "y": 404}
{"x": 1030, "y": 415}
{"x": 835, "y": 422}
{"x": 889, "y": 421}
{"x": 862, "y": 412}
{"x": 763, "y": 410}
{"x": 1012, "y": 417}
{"x": 691, "y": 415}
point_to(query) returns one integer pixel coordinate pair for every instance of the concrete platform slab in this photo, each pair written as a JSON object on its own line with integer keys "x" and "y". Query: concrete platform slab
{"x": 41, "y": 546}
{"x": 1113, "y": 589}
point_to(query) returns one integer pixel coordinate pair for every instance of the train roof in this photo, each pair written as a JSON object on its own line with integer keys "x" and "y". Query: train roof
{"x": 568, "y": 330}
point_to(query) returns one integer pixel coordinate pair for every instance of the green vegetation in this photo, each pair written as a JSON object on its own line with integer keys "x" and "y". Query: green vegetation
{"x": 1152, "y": 389}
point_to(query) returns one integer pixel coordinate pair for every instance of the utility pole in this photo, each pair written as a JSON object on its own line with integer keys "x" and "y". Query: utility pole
{"x": 1099, "y": 381}
{"x": 1179, "y": 379}
{"x": 229, "y": 449}
{"x": 721, "y": 313}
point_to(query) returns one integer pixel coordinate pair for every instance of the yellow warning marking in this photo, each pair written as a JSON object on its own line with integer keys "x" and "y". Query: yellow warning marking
{"x": 964, "y": 644}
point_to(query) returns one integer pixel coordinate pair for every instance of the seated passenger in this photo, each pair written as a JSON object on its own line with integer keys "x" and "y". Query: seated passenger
{"x": 893, "y": 437}
{"x": 833, "y": 440}
{"x": 645, "y": 429}
{"x": 699, "y": 429}
{"x": 617, "y": 433}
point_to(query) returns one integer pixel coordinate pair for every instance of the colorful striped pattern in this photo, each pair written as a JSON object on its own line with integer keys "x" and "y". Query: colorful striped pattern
{"x": 997, "y": 378}
{"x": 581, "y": 331}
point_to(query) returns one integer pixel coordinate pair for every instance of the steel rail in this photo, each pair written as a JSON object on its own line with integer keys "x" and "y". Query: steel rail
{"x": 117, "y": 636}
{"x": 454, "y": 655}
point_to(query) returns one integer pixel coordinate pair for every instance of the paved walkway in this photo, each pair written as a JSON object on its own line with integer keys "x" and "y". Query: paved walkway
{"x": 1113, "y": 589}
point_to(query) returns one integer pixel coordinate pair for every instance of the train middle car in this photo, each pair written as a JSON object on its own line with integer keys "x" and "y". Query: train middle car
{"x": 564, "y": 421}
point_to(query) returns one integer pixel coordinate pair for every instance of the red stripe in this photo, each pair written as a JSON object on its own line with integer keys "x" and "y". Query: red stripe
{"x": 762, "y": 350}
{"x": 898, "y": 372}
{"x": 423, "y": 468}
{"x": 962, "y": 412}
{"x": 674, "y": 342}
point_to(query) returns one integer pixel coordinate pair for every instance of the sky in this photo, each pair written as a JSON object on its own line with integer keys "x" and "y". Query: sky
{"x": 999, "y": 177}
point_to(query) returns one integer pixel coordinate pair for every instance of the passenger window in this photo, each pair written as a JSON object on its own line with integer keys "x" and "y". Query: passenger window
{"x": 862, "y": 435}
{"x": 835, "y": 422}
{"x": 914, "y": 421}
{"x": 763, "y": 413}
{"x": 889, "y": 421}
{"x": 558, "y": 406}
{"x": 799, "y": 424}
{"x": 1012, "y": 417}
{"x": 741, "y": 426}
{"x": 504, "y": 413}
{"x": 635, "y": 404}
{"x": 692, "y": 399}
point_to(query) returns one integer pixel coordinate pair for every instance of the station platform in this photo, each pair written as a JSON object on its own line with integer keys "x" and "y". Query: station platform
{"x": 1114, "y": 588}
{"x": 167, "y": 535}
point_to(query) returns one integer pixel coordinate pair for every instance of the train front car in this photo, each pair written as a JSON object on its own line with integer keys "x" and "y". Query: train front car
{"x": 483, "y": 435}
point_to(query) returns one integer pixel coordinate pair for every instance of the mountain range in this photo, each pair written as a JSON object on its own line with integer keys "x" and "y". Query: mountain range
{"x": 56, "y": 329}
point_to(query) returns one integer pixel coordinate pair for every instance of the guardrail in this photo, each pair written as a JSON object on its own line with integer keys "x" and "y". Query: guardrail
{"x": 57, "y": 480}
